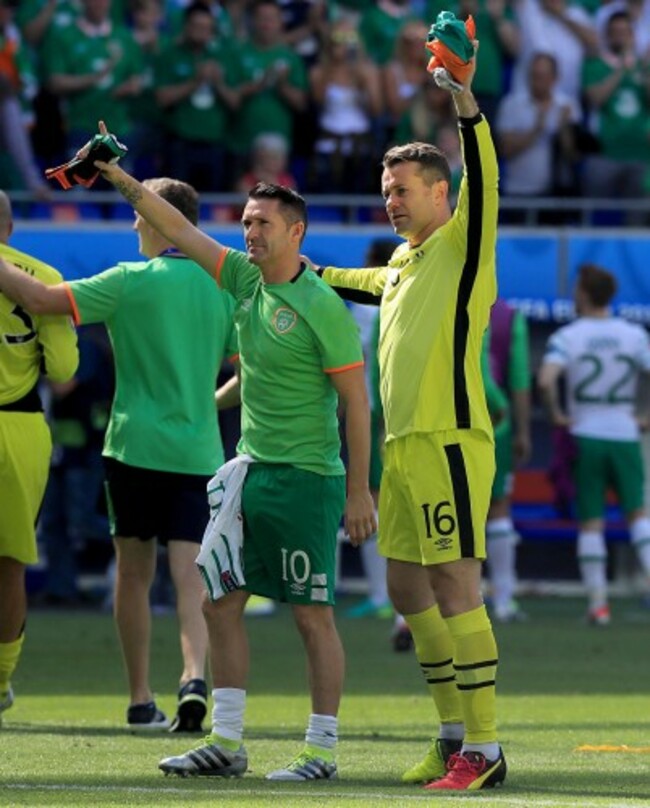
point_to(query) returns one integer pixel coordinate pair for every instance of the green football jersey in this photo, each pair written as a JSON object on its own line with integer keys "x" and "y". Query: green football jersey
{"x": 622, "y": 119}
{"x": 266, "y": 111}
{"x": 292, "y": 337}
{"x": 71, "y": 52}
{"x": 203, "y": 115}
{"x": 170, "y": 327}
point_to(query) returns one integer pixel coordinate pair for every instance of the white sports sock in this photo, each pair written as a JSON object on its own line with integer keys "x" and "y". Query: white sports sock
{"x": 592, "y": 557}
{"x": 322, "y": 731}
{"x": 501, "y": 543}
{"x": 490, "y": 750}
{"x": 228, "y": 712}
{"x": 640, "y": 535}
{"x": 374, "y": 567}
{"x": 452, "y": 731}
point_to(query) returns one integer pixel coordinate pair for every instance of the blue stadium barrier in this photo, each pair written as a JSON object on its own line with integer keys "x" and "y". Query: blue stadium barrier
{"x": 536, "y": 269}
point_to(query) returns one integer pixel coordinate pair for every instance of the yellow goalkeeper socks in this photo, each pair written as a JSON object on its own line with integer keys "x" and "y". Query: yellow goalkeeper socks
{"x": 9, "y": 656}
{"x": 434, "y": 650}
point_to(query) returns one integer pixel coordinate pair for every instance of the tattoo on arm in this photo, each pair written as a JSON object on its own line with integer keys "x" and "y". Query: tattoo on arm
{"x": 132, "y": 194}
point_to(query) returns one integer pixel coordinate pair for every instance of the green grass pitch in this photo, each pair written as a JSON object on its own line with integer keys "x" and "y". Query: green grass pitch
{"x": 561, "y": 685}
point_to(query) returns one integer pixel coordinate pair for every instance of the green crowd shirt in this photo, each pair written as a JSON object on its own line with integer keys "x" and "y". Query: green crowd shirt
{"x": 71, "y": 52}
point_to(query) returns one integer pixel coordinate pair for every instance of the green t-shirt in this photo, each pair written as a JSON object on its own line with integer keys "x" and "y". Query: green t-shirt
{"x": 292, "y": 337}
{"x": 266, "y": 110}
{"x": 71, "y": 52}
{"x": 623, "y": 118}
{"x": 65, "y": 13}
{"x": 378, "y": 31}
{"x": 170, "y": 327}
{"x": 519, "y": 358}
{"x": 201, "y": 116}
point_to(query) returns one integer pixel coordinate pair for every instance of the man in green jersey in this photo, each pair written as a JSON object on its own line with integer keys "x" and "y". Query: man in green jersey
{"x": 436, "y": 294}
{"x": 170, "y": 328}
{"x": 93, "y": 64}
{"x": 28, "y": 346}
{"x": 299, "y": 353}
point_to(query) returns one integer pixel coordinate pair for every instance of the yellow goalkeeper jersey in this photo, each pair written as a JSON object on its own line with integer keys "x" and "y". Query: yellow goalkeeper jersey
{"x": 435, "y": 306}
{"x": 30, "y": 344}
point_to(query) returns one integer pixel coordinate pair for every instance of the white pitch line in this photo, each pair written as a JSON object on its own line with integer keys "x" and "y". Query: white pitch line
{"x": 494, "y": 797}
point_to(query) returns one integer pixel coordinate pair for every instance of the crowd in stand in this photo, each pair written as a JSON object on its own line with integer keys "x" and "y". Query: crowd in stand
{"x": 311, "y": 93}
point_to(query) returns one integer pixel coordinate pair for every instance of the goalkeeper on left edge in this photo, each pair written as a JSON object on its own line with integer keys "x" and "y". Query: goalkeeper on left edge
{"x": 28, "y": 345}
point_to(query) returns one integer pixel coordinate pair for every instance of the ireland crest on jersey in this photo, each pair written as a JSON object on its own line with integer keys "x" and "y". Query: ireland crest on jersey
{"x": 284, "y": 320}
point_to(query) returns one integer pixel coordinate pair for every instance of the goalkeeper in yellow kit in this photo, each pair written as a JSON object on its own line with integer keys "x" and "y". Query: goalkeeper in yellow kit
{"x": 436, "y": 294}
{"x": 28, "y": 346}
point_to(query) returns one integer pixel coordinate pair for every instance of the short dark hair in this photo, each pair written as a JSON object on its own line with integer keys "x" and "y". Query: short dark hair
{"x": 543, "y": 56}
{"x": 179, "y": 194}
{"x": 432, "y": 161}
{"x": 292, "y": 206}
{"x": 621, "y": 14}
{"x": 197, "y": 7}
{"x": 597, "y": 283}
{"x": 256, "y": 4}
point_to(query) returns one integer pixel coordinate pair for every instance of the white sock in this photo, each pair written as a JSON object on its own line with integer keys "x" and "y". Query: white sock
{"x": 322, "y": 731}
{"x": 490, "y": 750}
{"x": 400, "y": 622}
{"x": 452, "y": 731}
{"x": 228, "y": 712}
{"x": 592, "y": 557}
{"x": 374, "y": 567}
{"x": 501, "y": 543}
{"x": 640, "y": 535}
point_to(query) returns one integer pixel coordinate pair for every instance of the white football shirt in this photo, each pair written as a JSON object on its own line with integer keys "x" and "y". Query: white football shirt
{"x": 602, "y": 359}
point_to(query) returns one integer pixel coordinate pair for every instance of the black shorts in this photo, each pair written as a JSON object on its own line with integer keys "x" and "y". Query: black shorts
{"x": 148, "y": 504}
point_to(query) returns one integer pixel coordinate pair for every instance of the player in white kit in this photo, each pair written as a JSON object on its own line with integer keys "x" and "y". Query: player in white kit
{"x": 601, "y": 358}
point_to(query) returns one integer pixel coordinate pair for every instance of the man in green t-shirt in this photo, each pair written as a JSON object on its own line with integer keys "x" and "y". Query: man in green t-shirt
{"x": 299, "y": 353}
{"x": 170, "y": 328}
{"x": 616, "y": 83}
{"x": 95, "y": 67}
{"x": 195, "y": 90}
{"x": 273, "y": 80}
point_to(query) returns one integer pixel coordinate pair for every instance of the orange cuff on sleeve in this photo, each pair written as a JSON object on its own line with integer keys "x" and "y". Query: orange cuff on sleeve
{"x": 219, "y": 266}
{"x": 345, "y": 367}
{"x": 73, "y": 304}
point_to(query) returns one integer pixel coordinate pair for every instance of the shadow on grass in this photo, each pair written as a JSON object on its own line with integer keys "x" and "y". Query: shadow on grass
{"x": 258, "y": 733}
{"x": 579, "y": 786}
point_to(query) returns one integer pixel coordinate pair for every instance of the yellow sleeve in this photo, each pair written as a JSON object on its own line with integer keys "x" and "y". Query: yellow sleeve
{"x": 58, "y": 340}
{"x": 474, "y": 223}
{"x": 371, "y": 281}
{"x": 56, "y": 335}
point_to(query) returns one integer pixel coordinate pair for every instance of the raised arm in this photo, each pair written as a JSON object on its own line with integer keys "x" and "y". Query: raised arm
{"x": 475, "y": 217}
{"x": 165, "y": 218}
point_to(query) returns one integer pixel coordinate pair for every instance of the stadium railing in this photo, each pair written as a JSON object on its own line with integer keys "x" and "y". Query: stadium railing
{"x": 350, "y": 209}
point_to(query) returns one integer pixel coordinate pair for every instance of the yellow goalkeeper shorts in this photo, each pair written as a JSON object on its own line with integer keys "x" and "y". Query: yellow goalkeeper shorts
{"x": 434, "y": 496}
